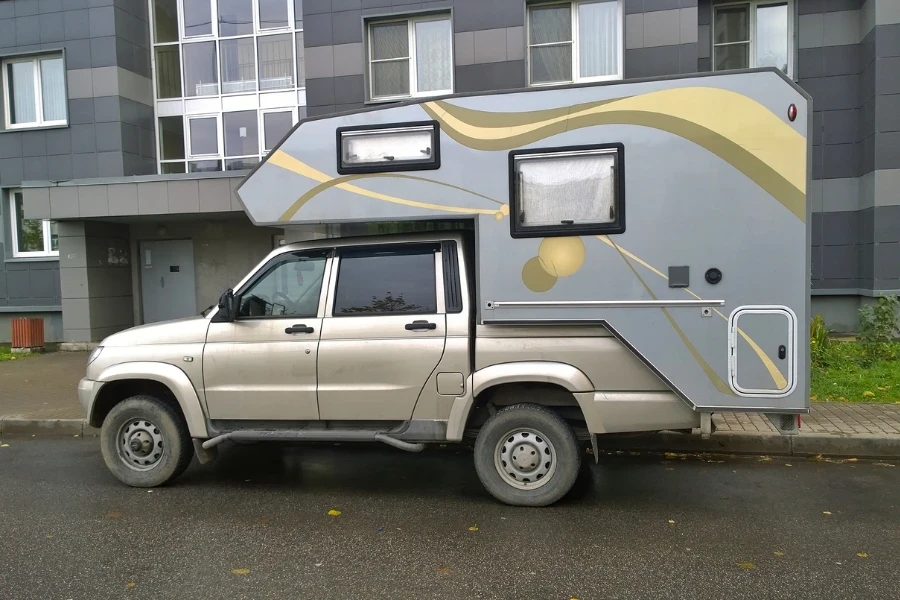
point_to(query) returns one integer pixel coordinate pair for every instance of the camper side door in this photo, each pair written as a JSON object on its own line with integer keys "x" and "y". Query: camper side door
{"x": 383, "y": 333}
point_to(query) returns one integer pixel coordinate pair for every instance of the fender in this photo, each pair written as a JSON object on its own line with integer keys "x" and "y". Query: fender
{"x": 536, "y": 371}
{"x": 532, "y": 371}
{"x": 170, "y": 376}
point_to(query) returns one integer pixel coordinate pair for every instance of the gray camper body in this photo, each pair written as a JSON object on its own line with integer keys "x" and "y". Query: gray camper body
{"x": 698, "y": 261}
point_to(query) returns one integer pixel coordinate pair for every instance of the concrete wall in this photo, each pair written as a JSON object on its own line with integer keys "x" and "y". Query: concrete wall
{"x": 96, "y": 280}
{"x": 225, "y": 249}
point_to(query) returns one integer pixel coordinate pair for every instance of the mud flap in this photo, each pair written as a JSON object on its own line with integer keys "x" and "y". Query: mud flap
{"x": 594, "y": 448}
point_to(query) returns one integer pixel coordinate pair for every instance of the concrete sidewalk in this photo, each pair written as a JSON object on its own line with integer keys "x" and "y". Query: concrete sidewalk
{"x": 37, "y": 397}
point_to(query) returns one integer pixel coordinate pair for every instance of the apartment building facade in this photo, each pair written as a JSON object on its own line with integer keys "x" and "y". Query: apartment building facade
{"x": 119, "y": 159}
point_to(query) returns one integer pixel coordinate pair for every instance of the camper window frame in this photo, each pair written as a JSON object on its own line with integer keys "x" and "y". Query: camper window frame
{"x": 517, "y": 230}
{"x": 389, "y": 167}
{"x": 575, "y": 43}
{"x": 411, "y": 57}
{"x": 753, "y": 6}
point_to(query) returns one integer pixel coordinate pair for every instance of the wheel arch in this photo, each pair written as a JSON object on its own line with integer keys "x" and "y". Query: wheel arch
{"x": 545, "y": 383}
{"x": 162, "y": 380}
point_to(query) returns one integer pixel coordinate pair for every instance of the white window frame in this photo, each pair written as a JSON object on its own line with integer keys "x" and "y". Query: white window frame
{"x": 38, "y": 93}
{"x": 190, "y": 156}
{"x": 753, "y": 6}
{"x": 14, "y": 230}
{"x": 576, "y": 43}
{"x": 262, "y": 126}
{"x": 184, "y": 105}
{"x": 413, "y": 71}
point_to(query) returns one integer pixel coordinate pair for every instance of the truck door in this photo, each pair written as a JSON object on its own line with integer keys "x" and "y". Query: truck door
{"x": 262, "y": 366}
{"x": 773, "y": 329}
{"x": 383, "y": 332}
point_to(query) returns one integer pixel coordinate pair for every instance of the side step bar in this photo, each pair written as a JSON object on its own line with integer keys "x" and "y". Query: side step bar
{"x": 313, "y": 435}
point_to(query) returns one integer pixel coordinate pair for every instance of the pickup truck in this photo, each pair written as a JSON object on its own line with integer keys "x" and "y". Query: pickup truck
{"x": 369, "y": 339}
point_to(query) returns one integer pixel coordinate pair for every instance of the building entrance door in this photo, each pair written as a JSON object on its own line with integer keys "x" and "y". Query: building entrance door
{"x": 168, "y": 288}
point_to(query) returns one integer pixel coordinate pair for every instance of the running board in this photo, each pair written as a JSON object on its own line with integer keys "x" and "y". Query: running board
{"x": 312, "y": 435}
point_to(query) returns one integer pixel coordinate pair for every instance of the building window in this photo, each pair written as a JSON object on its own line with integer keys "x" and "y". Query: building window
{"x": 215, "y": 59}
{"x": 30, "y": 237}
{"x": 34, "y": 91}
{"x": 567, "y": 191}
{"x": 753, "y": 34}
{"x": 574, "y": 42}
{"x": 410, "y": 58}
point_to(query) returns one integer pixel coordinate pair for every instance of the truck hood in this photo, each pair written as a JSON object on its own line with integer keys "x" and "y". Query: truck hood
{"x": 191, "y": 330}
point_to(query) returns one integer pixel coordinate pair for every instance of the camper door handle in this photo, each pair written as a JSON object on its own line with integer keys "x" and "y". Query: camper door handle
{"x": 299, "y": 329}
{"x": 420, "y": 325}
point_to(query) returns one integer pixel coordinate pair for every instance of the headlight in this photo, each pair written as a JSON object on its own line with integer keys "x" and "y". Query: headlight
{"x": 95, "y": 354}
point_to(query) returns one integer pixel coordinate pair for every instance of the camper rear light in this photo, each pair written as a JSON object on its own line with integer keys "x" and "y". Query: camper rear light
{"x": 792, "y": 112}
{"x": 394, "y": 148}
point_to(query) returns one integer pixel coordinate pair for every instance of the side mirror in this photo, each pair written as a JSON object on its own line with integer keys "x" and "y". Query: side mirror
{"x": 228, "y": 308}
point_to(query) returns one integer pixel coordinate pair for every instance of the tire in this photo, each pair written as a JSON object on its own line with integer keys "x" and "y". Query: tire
{"x": 525, "y": 432}
{"x": 153, "y": 425}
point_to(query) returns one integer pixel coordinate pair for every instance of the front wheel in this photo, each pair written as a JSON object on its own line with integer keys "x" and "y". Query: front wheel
{"x": 527, "y": 455}
{"x": 145, "y": 442}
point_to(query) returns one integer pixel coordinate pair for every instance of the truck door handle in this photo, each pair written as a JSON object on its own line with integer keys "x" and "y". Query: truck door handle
{"x": 419, "y": 325}
{"x": 301, "y": 328}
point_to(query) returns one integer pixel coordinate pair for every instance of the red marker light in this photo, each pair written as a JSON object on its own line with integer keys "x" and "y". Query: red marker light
{"x": 792, "y": 112}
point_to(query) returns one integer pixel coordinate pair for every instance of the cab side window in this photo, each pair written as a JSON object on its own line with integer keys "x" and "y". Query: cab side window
{"x": 289, "y": 287}
{"x": 386, "y": 282}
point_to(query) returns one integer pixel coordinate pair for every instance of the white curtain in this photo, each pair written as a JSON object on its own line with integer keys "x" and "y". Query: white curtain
{"x": 598, "y": 33}
{"x": 567, "y": 188}
{"x": 433, "y": 55}
{"x": 53, "y": 89}
{"x": 21, "y": 75}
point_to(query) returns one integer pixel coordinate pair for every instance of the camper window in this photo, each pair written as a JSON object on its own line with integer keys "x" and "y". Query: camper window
{"x": 567, "y": 191}
{"x": 407, "y": 147}
{"x": 574, "y": 42}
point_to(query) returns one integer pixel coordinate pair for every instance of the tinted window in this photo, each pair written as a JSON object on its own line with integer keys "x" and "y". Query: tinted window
{"x": 386, "y": 283}
{"x": 290, "y": 288}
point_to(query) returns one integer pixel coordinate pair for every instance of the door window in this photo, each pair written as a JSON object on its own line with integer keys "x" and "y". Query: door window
{"x": 383, "y": 283}
{"x": 289, "y": 287}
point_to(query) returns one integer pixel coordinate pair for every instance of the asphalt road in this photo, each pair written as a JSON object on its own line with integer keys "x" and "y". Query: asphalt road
{"x": 256, "y": 525}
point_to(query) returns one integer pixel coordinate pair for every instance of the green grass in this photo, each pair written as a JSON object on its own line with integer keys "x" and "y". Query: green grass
{"x": 840, "y": 375}
{"x": 6, "y": 355}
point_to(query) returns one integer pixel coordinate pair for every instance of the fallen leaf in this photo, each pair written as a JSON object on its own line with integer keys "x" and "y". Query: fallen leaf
{"x": 671, "y": 522}
{"x": 788, "y": 465}
{"x": 826, "y": 512}
{"x": 813, "y": 398}
{"x": 444, "y": 570}
{"x": 76, "y": 435}
{"x": 862, "y": 554}
{"x": 764, "y": 459}
{"x": 473, "y": 528}
{"x": 130, "y": 584}
{"x": 777, "y": 553}
{"x": 747, "y": 565}
{"x": 4, "y": 445}
{"x": 869, "y": 394}
{"x": 114, "y": 514}
{"x": 319, "y": 564}
{"x": 881, "y": 388}
{"x": 263, "y": 521}
{"x": 334, "y": 513}
{"x": 49, "y": 536}
{"x": 881, "y": 464}
{"x": 670, "y": 468}
{"x": 852, "y": 459}
{"x": 240, "y": 571}
{"x": 842, "y": 399}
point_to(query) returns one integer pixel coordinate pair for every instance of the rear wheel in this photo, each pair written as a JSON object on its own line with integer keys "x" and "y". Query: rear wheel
{"x": 145, "y": 442}
{"x": 526, "y": 455}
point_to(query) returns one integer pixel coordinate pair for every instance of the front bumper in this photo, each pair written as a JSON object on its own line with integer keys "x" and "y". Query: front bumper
{"x": 87, "y": 392}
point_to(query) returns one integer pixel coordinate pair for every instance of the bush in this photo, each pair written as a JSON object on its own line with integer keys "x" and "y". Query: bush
{"x": 879, "y": 326}
{"x": 819, "y": 341}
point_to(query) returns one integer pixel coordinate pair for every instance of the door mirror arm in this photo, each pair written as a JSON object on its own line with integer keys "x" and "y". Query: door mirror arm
{"x": 228, "y": 307}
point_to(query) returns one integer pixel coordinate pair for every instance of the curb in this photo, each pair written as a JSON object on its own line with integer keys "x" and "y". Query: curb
{"x": 721, "y": 442}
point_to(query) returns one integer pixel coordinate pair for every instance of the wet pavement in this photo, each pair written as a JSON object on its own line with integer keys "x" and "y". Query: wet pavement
{"x": 256, "y": 525}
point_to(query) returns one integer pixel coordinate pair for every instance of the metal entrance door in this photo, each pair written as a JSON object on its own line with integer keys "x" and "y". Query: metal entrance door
{"x": 762, "y": 350}
{"x": 168, "y": 288}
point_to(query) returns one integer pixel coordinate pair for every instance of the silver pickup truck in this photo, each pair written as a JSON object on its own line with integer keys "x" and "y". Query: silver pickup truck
{"x": 369, "y": 339}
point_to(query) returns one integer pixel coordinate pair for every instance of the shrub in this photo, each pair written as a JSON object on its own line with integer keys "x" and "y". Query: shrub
{"x": 819, "y": 341}
{"x": 879, "y": 325}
